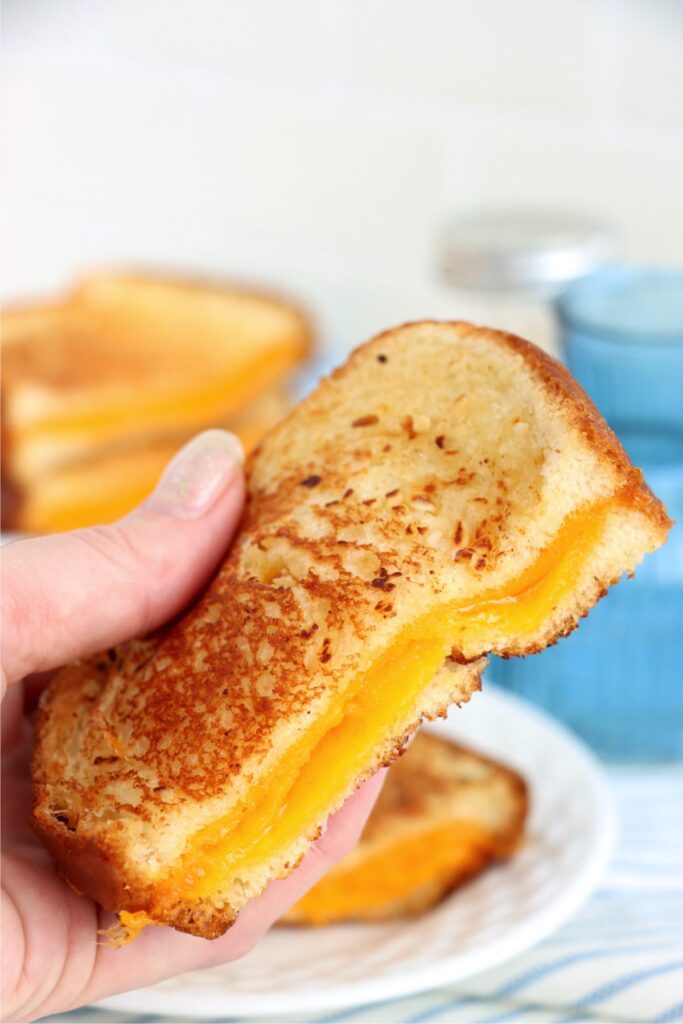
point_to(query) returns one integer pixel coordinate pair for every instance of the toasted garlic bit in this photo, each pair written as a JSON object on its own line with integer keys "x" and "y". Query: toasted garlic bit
{"x": 424, "y": 504}
{"x": 421, "y": 423}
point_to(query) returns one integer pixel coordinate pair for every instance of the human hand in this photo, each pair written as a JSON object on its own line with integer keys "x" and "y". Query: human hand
{"x": 68, "y": 596}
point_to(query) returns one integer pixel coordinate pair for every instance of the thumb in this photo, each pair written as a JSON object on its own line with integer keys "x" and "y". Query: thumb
{"x": 69, "y": 595}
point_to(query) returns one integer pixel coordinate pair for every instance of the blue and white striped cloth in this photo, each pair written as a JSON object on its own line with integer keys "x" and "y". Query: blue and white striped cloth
{"x": 619, "y": 959}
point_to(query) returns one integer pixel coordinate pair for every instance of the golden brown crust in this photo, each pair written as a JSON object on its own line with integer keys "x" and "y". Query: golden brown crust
{"x": 208, "y": 283}
{"x": 77, "y": 362}
{"x": 434, "y": 768}
{"x": 561, "y": 388}
{"x": 587, "y": 420}
{"x": 99, "y": 868}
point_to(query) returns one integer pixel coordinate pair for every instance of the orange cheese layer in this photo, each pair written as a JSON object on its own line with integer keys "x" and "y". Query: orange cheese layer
{"x": 444, "y": 853}
{"x": 171, "y": 408}
{"x": 134, "y": 923}
{"x": 303, "y": 786}
{"x": 104, "y": 489}
{"x": 521, "y": 606}
{"x": 325, "y": 762}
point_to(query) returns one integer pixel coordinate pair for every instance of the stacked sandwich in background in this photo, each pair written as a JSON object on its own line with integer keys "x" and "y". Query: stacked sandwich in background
{"x": 444, "y": 815}
{"x": 102, "y": 388}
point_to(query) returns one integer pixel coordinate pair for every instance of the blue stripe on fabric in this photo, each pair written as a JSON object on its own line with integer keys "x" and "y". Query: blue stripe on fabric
{"x": 72, "y": 1015}
{"x": 98, "y": 1015}
{"x": 351, "y": 1012}
{"x": 602, "y": 992}
{"x": 500, "y": 1018}
{"x": 455, "y": 1004}
{"x": 671, "y": 1016}
{"x": 530, "y": 976}
{"x": 519, "y": 1011}
{"x": 89, "y": 1014}
{"x": 618, "y": 985}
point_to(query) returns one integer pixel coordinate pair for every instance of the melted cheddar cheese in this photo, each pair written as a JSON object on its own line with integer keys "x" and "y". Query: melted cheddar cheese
{"x": 332, "y": 754}
{"x": 133, "y": 923}
{"x": 172, "y": 408}
{"x": 442, "y": 854}
{"x": 104, "y": 488}
{"x": 521, "y": 607}
{"x": 322, "y": 764}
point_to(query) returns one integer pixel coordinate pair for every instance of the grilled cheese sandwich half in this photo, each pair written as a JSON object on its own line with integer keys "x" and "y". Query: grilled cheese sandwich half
{"x": 449, "y": 492}
{"x": 444, "y": 814}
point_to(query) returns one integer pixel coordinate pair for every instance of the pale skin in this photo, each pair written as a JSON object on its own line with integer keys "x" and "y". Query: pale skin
{"x": 68, "y": 596}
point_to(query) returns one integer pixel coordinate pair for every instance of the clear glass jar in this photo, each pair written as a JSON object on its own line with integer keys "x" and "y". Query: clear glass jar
{"x": 503, "y": 268}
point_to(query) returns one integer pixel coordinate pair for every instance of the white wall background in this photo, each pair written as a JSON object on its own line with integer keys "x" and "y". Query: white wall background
{"x": 320, "y": 143}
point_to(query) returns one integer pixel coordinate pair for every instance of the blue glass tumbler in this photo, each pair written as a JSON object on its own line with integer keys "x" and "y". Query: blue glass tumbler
{"x": 618, "y": 679}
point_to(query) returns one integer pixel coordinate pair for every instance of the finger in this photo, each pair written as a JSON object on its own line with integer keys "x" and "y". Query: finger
{"x": 71, "y": 594}
{"x": 162, "y": 952}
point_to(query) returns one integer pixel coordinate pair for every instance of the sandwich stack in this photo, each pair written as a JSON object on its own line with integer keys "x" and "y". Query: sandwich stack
{"x": 100, "y": 389}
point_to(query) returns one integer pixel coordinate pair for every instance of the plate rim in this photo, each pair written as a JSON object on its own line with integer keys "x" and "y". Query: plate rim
{"x": 450, "y": 969}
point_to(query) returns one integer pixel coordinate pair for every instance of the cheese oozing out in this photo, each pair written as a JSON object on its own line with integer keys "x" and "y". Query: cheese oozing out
{"x": 300, "y": 792}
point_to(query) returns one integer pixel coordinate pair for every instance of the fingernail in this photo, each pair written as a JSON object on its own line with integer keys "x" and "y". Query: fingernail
{"x": 198, "y": 475}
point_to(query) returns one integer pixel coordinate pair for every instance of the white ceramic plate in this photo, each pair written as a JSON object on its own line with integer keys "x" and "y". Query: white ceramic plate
{"x": 503, "y": 913}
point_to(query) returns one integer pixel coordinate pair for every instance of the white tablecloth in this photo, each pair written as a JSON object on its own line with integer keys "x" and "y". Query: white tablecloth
{"x": 619, "y": 959}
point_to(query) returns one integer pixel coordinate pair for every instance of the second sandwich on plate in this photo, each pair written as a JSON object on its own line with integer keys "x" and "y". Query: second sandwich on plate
{"x": 444, "y": 815}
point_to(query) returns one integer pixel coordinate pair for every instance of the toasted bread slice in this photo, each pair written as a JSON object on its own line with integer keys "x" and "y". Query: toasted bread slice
{"x": 445, "y": 813}
{"x": 128, "y": 357}
{"x": 108, "y": 484}
{"x": 449, "y": 492}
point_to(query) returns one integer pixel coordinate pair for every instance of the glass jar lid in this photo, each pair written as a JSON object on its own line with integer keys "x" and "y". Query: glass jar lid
{"x": 521, "y": 250}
